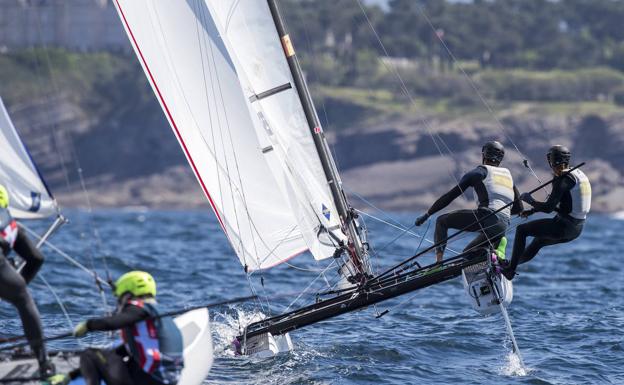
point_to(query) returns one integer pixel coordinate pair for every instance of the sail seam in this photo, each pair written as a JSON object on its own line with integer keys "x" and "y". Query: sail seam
{"x": 271, "y": 92}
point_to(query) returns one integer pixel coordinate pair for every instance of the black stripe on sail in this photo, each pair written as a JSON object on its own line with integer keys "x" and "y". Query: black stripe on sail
{"x": 270, "y": 92}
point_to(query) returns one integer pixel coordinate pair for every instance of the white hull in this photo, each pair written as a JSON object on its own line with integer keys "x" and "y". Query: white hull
{"x": 267, "y": 345}
{"x": 483, "y": 297}
{"x": 198, "y": 352}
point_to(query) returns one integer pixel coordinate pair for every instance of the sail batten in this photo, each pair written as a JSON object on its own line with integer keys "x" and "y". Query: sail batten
{"x": 28, "y": 192}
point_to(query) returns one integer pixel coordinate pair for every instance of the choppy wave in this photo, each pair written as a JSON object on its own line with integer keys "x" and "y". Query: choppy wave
{"x": 567, "y": 312}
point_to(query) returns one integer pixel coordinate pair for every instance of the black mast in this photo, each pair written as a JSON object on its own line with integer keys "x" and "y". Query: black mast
{"x": 355, "y": 247}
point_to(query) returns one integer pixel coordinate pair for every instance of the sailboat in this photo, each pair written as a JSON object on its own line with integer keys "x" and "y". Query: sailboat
{"x": 31, "y": 199}
{"x": 228, "y": 80}
{"x": 30, "y": 196}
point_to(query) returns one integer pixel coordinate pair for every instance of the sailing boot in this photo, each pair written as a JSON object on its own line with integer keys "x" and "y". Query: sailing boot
{"x": 46, "y": 367}
{"x": 508, "y": 272}
{"x": 501, "y": 251}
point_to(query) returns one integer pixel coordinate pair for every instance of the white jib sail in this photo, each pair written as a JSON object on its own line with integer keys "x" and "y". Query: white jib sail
{"x": 28, "y": 194}
{"x": 193, "y": 75}
{"x": 252, "y": 40}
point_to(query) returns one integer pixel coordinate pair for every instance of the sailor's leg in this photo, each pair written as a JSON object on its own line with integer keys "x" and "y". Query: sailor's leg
{"x": 31, "y": 255}
{"x": 459, "y": 219}
{"x": 13, "y": 289}
{"x": 541, "y": 228}
{"x": 535, "y": 246}
{"x": 491, "y": 230}
{"x": 97, "y": 365}
{"x": 553, "y": 232}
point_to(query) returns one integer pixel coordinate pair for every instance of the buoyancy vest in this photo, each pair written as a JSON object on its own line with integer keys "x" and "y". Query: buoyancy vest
{"x": 155, "y": 344}
{"x": 8, "y": 228}
{"x": 581, "y": 195}
{"x": 498, "y": 185}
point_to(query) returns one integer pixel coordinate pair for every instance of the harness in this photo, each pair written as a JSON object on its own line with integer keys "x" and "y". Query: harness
{"x": 155, "y": 344}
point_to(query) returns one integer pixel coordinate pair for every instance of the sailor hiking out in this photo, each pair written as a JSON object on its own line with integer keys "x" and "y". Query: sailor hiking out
{"x": 152, "y": 350}
{"x": 570, "y": 199}
{"x": 494, "y": 188}
{"x": 13, "y": 284}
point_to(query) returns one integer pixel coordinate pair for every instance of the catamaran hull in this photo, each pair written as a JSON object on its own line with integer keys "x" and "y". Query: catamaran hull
{"x": 483, "y": 288}
{"x": 376, "y": 292}
{"x": 267, "y": 345}
{"x": 198, "y": 355}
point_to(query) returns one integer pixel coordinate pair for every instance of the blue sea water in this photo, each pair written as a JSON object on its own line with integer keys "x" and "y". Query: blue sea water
{"x": 567, "y": 313}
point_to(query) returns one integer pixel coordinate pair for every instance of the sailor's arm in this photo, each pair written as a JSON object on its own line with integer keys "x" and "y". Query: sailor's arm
{"x": 560, "y": 187}
{"x": 468, "y": 180}
{"x": 130, "y": 315}
{"x": 517, "y": 206}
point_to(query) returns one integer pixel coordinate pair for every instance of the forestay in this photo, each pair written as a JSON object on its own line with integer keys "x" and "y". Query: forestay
{"x": 29, "y": 196}
{"x": 219, "y": 72}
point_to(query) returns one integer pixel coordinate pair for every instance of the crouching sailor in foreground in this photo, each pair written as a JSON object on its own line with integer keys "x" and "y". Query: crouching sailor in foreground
{"x": 13, "y": 285}
{"x": 494, "y": 188}
{"x": 570, "y": 198}
{"x": 152, "y": 352}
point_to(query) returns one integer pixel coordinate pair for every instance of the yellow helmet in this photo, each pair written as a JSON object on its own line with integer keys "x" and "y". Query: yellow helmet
{"x": 137, "y": 283}
{"x": 4, "y": 197}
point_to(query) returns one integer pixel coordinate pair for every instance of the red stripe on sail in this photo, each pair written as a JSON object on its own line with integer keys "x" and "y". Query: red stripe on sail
{"x": 173, "y": 123}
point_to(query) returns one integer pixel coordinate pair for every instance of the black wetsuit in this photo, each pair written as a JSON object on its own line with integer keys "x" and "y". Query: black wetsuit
{"x": 490, "y": 230}
{"x": 114, "y": 366}
{"x": 560, "y": 229}
{"x": 13, "y": 285}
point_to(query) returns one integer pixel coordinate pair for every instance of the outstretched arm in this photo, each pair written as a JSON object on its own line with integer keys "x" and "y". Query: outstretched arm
{"x": 468, "y": 180}
{"x": 129, "y": 316}
{"x": 560, "y": 187}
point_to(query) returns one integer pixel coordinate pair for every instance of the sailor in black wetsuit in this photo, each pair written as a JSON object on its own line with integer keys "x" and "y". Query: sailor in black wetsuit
{"x": 13, "y": 285}
{"x": 570, "y": 198}
{"x": 152, "y": 353}
{"x": 494, "y": 188}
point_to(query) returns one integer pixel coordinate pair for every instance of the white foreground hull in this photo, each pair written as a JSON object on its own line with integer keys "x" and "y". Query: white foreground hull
{"x": 198, "y": 355}
{"x": 198, "y": 352}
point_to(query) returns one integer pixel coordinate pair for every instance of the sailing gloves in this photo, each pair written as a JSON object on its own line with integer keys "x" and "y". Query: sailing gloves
{"x": 421, "y": 219}
{"x": 59, "y": 379}
{"x": 81, "y": 329}
{"x": 526, "y": 197}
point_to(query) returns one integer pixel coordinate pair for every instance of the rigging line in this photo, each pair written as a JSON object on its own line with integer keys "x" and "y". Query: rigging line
{"x": 55, "y": 139}
{"x": 309, "y": 286}
{"x": 313, "y": 58}
{"x": 234, "y": 153}
{"x": 401, "y": 227}
{"x": 478, "y": 92}
{"x": 209, "y": 53}
{"x": 66, "y": 256}
{"x": 202, "y": 42}
{"x": 303, "y": 268}
{"x": 232, "y": 190}
{"x": 404, "y": 88}
{"x": 58, "y": 300}
{"x": 425, "y": 121}
{"x": 77, "y": 163}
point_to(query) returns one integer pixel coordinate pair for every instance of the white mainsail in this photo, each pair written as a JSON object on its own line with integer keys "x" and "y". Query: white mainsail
{"x": 252, "y": 40}
{"x": 29, "y": 196}
{"x": 212, "y": 64}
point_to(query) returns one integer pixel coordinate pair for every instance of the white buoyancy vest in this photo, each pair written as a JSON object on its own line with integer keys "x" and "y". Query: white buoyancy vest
{"x": 499, "y": 187}
{"x": 581, "y": 195}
